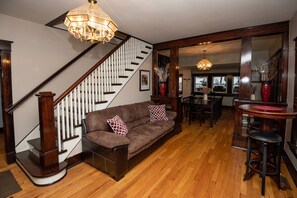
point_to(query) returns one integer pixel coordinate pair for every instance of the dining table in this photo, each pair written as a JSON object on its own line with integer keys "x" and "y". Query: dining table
{"x": 211, "y": 105}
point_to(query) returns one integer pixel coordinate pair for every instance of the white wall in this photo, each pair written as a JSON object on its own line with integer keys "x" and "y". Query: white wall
{"x": 187, "y": 79}
{"x": 290, "y": 90}
{"x": 37, "y": 52}
{"x": 130, "y": 93}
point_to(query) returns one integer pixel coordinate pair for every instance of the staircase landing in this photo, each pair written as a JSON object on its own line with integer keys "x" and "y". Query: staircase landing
{"x": 39, "y": 176}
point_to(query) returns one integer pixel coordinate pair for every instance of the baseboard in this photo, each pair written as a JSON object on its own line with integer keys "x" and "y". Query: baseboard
{"x": 74, "y": 160}
{"x": 291, "y": 169}
{"x": 10, "y": 158}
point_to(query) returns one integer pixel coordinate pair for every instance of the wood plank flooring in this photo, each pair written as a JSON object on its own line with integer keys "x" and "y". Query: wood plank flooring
{"x": 199, "y": 162}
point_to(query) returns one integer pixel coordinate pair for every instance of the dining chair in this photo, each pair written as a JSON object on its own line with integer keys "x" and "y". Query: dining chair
{"x": 196, "y": 110}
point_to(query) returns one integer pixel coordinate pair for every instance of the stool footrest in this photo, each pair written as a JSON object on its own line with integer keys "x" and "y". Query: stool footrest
{"x": 256, "y": 166}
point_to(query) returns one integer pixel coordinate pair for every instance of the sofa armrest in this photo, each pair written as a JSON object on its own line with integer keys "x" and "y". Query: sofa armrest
{"x": 107, "y": 139}
{"x": 171, "y": 115}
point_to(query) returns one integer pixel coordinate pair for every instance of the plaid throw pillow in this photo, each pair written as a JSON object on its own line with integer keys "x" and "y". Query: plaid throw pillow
{"x": 118, "y": 126}
{"x": 157, "y": 113}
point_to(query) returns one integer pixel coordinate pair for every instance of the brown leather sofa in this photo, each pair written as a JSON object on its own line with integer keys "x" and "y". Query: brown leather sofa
{"x": 116, "y": 154}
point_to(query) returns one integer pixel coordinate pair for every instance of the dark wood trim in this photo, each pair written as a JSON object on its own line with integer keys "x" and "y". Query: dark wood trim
{"x": 293, "y": 141}
{"x": 260, "y": 30}
{"x": 89, "y": 72}
{"x": 74, "y": 160}
{"x": 8, "y": 125}
{"x": 49, "y": 150}
{"x": 155, "y": 76}
{"x": 245, "y": 69}
{"x": 38, "y": 87}
{"x": 284, "y": 67}
{"x": 291, "y": 168}
{"x": 60, "y": 19}
{"x": 174, "y": 71}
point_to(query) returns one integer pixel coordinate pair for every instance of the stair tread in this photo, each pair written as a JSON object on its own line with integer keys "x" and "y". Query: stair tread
{"x": 31, "y": 163}
{"x": 35, "y": 143}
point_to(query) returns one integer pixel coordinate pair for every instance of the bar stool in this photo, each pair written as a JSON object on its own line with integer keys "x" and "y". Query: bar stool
{"x": 263, "y": 162}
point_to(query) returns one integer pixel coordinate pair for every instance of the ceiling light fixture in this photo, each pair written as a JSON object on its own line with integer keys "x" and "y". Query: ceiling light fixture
{"x": 90, "y": 23}
{"x": 204, "y": 64}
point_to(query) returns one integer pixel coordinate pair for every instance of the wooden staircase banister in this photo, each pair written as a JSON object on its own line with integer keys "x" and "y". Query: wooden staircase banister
{"x": 89, "y": 72}
{"x": 33, "y": 91}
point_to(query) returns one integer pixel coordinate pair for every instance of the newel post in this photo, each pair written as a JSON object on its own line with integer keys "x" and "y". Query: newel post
{"x": 49, "y": 150}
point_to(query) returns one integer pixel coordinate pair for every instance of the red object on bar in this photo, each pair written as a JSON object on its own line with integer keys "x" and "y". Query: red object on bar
{"x": 267, "y": 108}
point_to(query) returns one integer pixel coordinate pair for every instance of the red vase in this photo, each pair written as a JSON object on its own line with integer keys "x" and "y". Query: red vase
{"x": 162, "y": 86}
{"x": 265, "y": 91}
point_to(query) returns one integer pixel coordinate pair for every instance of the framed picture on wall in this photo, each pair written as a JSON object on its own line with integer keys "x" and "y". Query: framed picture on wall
{"x": 144, "y": 80}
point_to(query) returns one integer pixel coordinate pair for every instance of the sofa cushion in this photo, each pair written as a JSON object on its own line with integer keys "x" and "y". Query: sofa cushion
{"x": 118, "y": 125}
{"x": 135, "y": 111}
{"x": 136, "y": 123}
{"x": 137, "y": 141}
{"x": 157, "y": 113}
{"x": 96, "y": 120}
{"x": 154, "y": 129}
{"x": 107, "y": 139}
{"x": 171, "y": 115}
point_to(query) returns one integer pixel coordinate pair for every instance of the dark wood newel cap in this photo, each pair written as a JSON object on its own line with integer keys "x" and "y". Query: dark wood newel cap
{"x": 45, "y": 94}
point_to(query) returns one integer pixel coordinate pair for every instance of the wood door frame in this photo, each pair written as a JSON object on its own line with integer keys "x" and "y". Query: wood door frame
{"x": 6, "y": 94}
{"x": 244, "y": 34}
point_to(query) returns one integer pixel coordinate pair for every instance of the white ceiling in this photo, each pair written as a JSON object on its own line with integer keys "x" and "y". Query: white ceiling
{"x": 163, "y": 20}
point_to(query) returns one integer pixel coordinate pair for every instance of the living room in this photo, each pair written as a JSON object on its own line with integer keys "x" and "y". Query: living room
{"x": 40, "y": 65}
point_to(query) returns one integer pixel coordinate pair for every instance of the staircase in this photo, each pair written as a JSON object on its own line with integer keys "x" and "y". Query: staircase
{"x": 93, "y": 91}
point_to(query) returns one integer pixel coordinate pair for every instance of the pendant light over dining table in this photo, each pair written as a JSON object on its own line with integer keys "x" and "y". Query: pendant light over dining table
{"x": 204, "y": 64}
{"x": 90, "y": 23}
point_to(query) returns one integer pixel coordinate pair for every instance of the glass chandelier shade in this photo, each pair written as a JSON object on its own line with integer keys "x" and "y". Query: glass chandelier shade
{"x": 90, "y": 23}
{"x": 204, "y": 64}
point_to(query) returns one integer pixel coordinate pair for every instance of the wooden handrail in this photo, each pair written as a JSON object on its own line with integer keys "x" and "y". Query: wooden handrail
{"x": 33, "y": 91}
{"x": 89, "y": 72}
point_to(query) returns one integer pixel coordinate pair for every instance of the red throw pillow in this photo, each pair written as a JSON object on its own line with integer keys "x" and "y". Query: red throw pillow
{"x": 157, "y": 113}
{"x": 118, "y": 125}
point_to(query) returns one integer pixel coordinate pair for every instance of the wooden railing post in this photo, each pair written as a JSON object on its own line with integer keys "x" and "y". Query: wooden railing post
{"x": 49, "y": 150}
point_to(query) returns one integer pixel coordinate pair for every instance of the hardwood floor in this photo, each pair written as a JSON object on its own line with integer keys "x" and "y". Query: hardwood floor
{"x": 199, "y": 162}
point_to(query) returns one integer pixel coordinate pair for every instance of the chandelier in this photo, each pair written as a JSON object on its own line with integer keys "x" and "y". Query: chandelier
{"x": 90, "y": 23}
{"x": 204, "y": 64}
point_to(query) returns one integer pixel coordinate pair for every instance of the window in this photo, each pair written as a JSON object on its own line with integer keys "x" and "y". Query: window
{"x": 199, "y": 83}
{"x": 219, "y": 84}
{"x": 235, "y": 84}
{"x": 180, "y": 84}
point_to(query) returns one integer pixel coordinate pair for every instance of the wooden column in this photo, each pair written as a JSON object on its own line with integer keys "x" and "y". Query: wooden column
{"x": 293, "y": 143}
{"x": 155, "y": 76}
{"x": 49, "y": 150}
{"x": 8, "y": 125}
{"x": 245, "y": 69}
{"x": 173, "y": 72}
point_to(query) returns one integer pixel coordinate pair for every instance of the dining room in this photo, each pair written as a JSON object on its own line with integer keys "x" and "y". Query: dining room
{"x": 249, "y": 69}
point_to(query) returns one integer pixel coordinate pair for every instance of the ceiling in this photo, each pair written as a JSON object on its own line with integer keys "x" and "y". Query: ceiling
{"x": 158, "y": 21}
